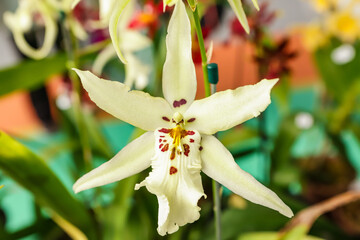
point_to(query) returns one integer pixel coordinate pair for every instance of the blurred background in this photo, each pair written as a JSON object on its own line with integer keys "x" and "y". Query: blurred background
{"x": 305, "y": 146}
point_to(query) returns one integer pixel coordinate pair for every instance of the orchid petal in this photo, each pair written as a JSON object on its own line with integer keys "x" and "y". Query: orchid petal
{"x": 132, "y": 159}
{"x": 229, "y": 108}
{"x": 256, "y": 4}
{"x": 78, "y": 30}
{"x": 102, "y": 58}
{"x": 74, "y": 3}
{"x": 136, "y": 72}
{"x": 169, "y": 3}
{"x": 13, "y": 21}
{"x": 135, "y": 107}
{"x": 179, "y": 78}
{"x": 105, "y": 8}
{"x": 132, "y": 41}
{"x": 218, "y": 163}
{"x": 175, "y": 178}
{"x": 113, "y": 27}
{"x": 236, "y": 5}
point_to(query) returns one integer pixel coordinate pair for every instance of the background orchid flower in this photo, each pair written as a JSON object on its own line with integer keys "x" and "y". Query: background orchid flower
{"x": 21, "y": 22}
{"x": 179, "y": 144}
{"x": 129, "y": 41}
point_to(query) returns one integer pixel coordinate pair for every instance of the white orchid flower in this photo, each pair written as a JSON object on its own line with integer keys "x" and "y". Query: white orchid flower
{"x": 129, "y": 41}
{"x": 179, "y": 144}
{"x": 20, "y": 23}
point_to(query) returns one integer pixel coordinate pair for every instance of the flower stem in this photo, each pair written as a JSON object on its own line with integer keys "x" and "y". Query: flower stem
{"x": 202, "y": 51}
{"x": 208, "y": 92}
{"x": 216, "y": 195}
{"x": 70, "y": 45}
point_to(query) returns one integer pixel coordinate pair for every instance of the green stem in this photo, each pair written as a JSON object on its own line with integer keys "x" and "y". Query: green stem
{"x": 71, "y": 46}
{"x": 216, "y": 195}
{"x": 208, "y": 92}
{"x": 202, "y": 51}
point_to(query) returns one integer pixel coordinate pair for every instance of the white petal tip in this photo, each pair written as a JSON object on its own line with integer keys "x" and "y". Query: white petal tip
{"x": 271, "y": 82}
{"x": 76, "y": 188}
{"x": 286, "y": 211}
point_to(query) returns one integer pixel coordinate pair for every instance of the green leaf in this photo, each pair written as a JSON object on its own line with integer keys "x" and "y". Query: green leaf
{"x": 31, "y": 172}
{"x": 30, "y": 74}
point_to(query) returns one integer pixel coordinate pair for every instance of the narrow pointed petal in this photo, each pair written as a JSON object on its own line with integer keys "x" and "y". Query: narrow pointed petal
{"x": 74, "y": 3}
{"x": 227, "y": 109}
{"x": 78, "y": 30}
{"x": 218, "y": 163}
{"x": 256, "y": 4}
{"x": 236, "y": 5}
{"x": 103, "y": 58}
{"x": 169, "y": 3}
{"x": 179, "y": 78}
{"x": 132, "y": 159}
{"x": 133, "y": 41}
{"x": 113, "y": 27}
{"x": 135, "y": 107}
{"x": 137, "y": 73}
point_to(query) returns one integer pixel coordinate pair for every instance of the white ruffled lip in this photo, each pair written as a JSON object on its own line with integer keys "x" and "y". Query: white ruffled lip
{"x": 175, "y": 178}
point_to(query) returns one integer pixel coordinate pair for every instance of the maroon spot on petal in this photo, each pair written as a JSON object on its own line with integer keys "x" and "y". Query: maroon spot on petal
{"x": 192, "y": 140}
{"x": 182, "y": 101}
{"x": 172, "y": 155}
{"x": 173, "y": 170}
{"x": 165, "y": 148}
{"x": 179, "y": 103}
{"x": 161, "y": 136}
{"x": 186, "y": 150}
{"x": 190, "y": 133}
{"x": 191, "y": 120}
{"x": 166, "y": 119}
{"x": 200, "y": 148}
{"x": 161, "y": 146}
{"x": 160, "y": 140}
{"x": 164, "y": 130}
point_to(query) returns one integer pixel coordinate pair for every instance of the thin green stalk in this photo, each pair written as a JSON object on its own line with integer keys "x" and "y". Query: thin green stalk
{"x": 71, "y": 46}
{"x": 208, "y": 92}
{"x": 216, "y": 195}
{"x": 202, "y": 51}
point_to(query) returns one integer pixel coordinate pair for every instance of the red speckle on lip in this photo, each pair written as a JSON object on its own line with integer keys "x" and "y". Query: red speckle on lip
{"x": 186, "y": 150}
{"x": 191, "y": 120}
{"x": 190, "y": 133}
{"x": 160, "y": 140}
{"x": 166, "y": 119}
{"x": 192, "y": 140}
{"x": 164, "y": 130}
{"x": 173, "y": 170}
{"x": 161, "y": 146}
{"x": 161, "y": 136}
{"x": 165, "y": 148}
{"x": 172, "y": 155}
